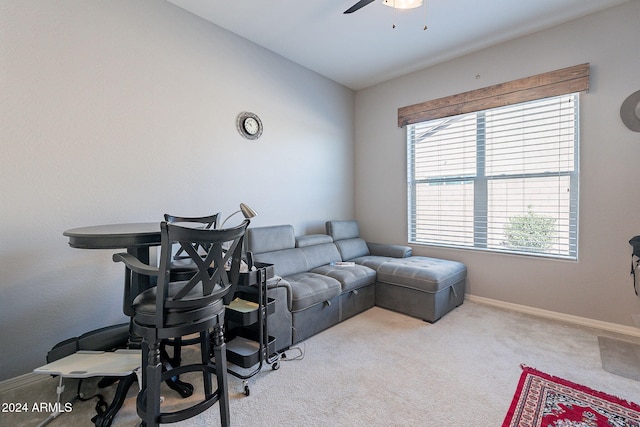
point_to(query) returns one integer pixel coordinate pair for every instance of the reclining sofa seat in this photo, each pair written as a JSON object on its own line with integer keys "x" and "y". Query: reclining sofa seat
{"x": 319, "y": 295}
{"x": 422, "y": 287}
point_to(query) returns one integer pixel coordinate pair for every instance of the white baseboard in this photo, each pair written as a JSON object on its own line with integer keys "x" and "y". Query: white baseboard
{"x": 562, "y": 317}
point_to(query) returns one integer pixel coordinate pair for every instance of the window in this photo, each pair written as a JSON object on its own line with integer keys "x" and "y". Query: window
{"x": 496, "y": 168}
{"x": 502, "y": 179}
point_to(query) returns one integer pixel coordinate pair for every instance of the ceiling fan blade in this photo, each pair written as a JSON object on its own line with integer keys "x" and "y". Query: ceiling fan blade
{"x": 360, "y": 4}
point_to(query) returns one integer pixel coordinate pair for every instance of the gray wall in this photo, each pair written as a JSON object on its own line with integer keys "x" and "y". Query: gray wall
{"x": 119, "y": 111}
{"x": 598, "y": 286}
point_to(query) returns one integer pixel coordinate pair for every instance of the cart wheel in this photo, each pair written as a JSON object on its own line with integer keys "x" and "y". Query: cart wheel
{"x": 246, "y": 390}
{"x": 276, "y": 365}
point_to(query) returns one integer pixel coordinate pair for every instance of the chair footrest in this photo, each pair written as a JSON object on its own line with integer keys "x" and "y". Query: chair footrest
{"x": 85, "y": 364}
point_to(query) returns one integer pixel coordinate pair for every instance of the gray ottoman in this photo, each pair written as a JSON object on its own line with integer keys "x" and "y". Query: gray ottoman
{"x": 422, "y": 287}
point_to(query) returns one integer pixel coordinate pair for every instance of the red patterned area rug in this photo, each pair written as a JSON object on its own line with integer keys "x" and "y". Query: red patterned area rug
{"x": 542, "y": 400}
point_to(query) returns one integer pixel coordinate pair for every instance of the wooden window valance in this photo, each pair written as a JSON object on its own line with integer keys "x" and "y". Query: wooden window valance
{"x": 559, "y": 82}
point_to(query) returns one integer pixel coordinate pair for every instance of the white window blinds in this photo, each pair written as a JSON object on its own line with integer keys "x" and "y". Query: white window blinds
{"x": 503, "y": 179}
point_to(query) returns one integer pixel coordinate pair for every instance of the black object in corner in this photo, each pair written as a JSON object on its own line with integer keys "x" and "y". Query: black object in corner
{"x": 103, "y": 339}
{"x": 635, "y": 245}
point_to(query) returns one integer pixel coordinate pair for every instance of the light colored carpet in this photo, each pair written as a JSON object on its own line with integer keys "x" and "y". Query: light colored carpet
{"x": 382, "y": 368}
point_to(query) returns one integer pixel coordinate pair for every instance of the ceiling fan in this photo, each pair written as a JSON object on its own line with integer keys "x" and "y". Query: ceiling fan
{"x": 359, "y": 5}
{"x": 396, "y": 4}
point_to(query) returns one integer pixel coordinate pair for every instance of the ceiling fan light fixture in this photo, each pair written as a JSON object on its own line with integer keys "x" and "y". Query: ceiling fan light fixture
{"x": 402, "y": 4}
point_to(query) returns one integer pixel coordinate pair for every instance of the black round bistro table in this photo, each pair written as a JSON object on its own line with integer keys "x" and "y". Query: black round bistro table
{"x": 115, "y": 236}
{"x": 136, "y": 238}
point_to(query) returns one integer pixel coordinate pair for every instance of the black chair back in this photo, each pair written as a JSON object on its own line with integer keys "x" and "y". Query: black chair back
{"x": 208, "y": 222}
{"x": 218, "y": 270}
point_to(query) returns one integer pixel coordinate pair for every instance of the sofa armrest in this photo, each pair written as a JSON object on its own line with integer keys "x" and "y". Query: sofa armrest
{"x": 395, "y": 251}
{"x": 279, "y": 282}
{"x": 279, "y": 322}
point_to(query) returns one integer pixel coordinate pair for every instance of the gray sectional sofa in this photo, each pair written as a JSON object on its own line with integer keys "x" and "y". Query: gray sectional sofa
{"x": 314, "y": 292}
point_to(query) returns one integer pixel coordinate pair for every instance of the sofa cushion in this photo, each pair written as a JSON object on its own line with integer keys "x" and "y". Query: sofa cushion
{"x": 350, "y": 277}
{"x": 269, "y": 239}
{"x": 318, "y": 255}
{"x": 312, "y": 239}
{"x": 320, "y": 252}
{"x": 352, "y": 248}
{"x": 346, "y": 235}
{"x": 422, "y": 273}
{"x": 285, "y": 262}
{"x": 310, "y": 288}
{"x": 341, "y": 230}
{"x": 389, "y": 250}
{"x": 372, "y": 261}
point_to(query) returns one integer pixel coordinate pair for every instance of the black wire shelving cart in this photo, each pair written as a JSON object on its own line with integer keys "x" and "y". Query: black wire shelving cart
{"x": 249, "y": 344}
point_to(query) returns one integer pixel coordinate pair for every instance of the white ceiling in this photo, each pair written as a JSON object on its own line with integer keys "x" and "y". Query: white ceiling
{"x": 362, "y": 49}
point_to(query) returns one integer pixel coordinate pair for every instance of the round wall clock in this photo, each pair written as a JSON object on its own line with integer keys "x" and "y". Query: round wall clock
{"x": 630, "y": 111}
{"x": 249, "y": 125}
